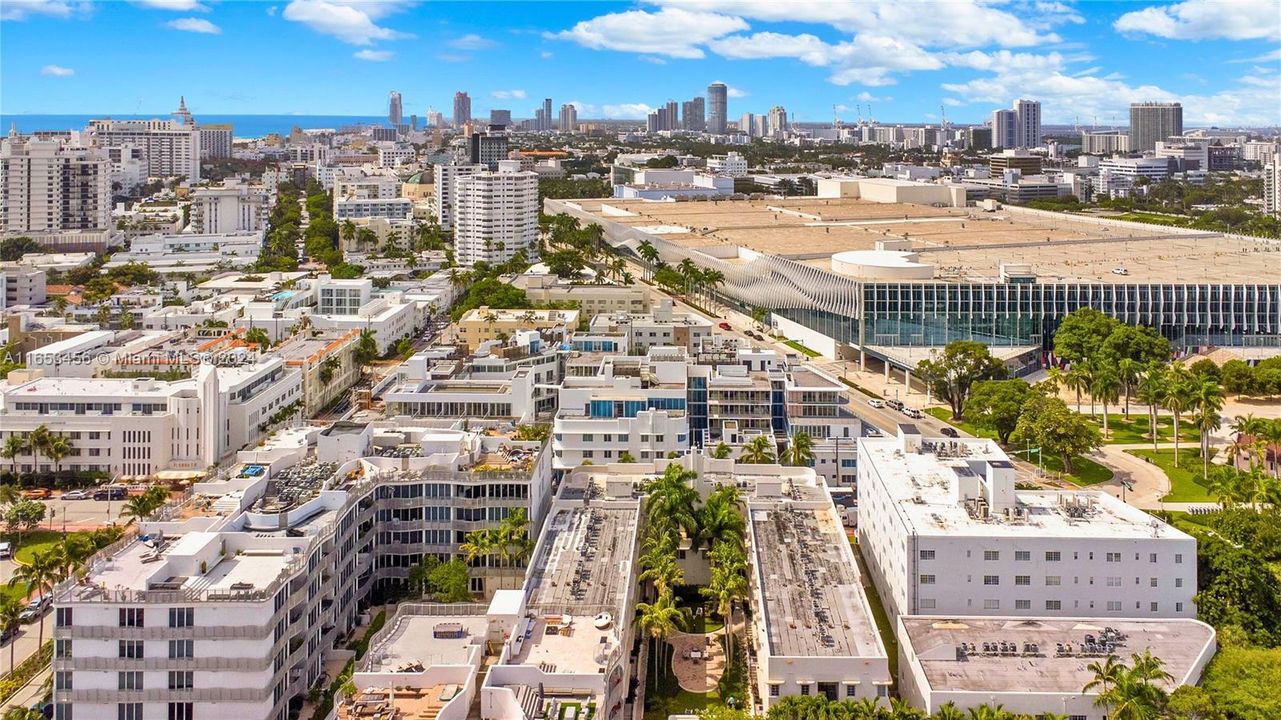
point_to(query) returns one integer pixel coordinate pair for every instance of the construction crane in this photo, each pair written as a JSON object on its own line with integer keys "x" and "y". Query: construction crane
{"x": 943, "y": 119}
{"x": 859, "y": 109}
{"x": 836, "y": 117}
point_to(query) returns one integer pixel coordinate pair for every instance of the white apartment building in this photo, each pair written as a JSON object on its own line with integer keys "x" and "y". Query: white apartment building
{"x": 1105, "y": 142}
{"x": 128, "y": 166}
{"x": 21, "y": 286}
{"x": 592, "y": 299}
{"x": 395, "y": 156}
{"x": 171, "y": 148}
{"x": 1272, "y": 185}
{"x": 663, "y": 326}
{"x": 445, "y": 177}
{"x": 231, "y": 207}
{"x": 945, "y": 532}
{"x": 341, "y": 297}
{"x": 495, "y": 214}
{"x": 374, "y": 187}
{"x": 730, "y": 165}
{"x": 236, "y": 610}
{"x": 1034, "y": 666}
{"x": 1118, "y": 174}
{"x": 351, "y": 208}
{"x": 48, "y": 188}
{"x": 142, "y": 426}
{"x": 812, "y": 624}
{"x": 215, "y": 140}
{"x": 191, "y": 252}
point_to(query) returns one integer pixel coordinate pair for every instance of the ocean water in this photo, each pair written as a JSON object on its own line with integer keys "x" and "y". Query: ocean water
{"x": 246, "y": 126}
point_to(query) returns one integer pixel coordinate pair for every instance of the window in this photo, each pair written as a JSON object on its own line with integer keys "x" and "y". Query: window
{"x": 1053, "y": 580}
{"x": 131, "y": 649}
{"x": 62, "y": 648}
{"x": 1053, "y": 605}
{"x": 180, "y": 679}
{"x": 805, "y": 688}
{"x": 181, "y": 617}
{"x": 1153, "y": 607}
{"x": 1114, "y": 582}
{"x": 62, "y": 711}
{"x": 1022, "y": 579}
{"x": 62, "y": 680}
{"x": 1178, "y": 558}
{"x": 62, "y": 617}
{"x": 129, "y": 711}
{"x": 1022, "y": 555}
{"x": 927, "y": 579}
{"x": 851, "y": 691}
{"x": 1114, "y": 557}
{"x": 1114, "y": 606}
{"x": 1178, "y": 607}
{"x": 1178, "y": 582}
{"x": 927, "y": 554}
{"x": 882, "y": 691}
{"x": 1151, "y": 582}
{"x": 1022, "y": 604}
{"x": 181, "y": 648}
{"x": 990, "y": 555}
{"x": 1151, "y": 557}
{"x": 927, "y": 603}
{"x": 991, "y": 579}
{"x": 774, "y": 690}
{"x": 991, "y": 604}
{"x": 131, "y": 617}
{"x": 129, "y": 680}
{"x": 181, "y": 711}
{"x": 1053, "y": 556}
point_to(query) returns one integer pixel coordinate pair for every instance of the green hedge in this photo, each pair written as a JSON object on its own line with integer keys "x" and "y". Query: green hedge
{"x": 27, "y": 669}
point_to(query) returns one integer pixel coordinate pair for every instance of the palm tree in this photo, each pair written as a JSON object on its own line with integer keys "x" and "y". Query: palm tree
{"x": 139, "y": 507}
{"x": 649, "y": 254}
{"x": 1175, "y": 397}
{"x": 37, "y": 441}
{"x": 949, "y": 711}
{"x": 477, "y": 544}
{"x": 721, "y": 452}
{"x": 800, "y": 451}
{"x": 10, "y": 609}
{"x": 988, "y": 712}
{"x": 1077, "y": 380}
{"x": 1105, "y": 387}
{"x": 1207, "y": 401}
{"x": 663, "y": 571}
{"x": 258, "y": 336}
{"x": 1128, "y": 371}
{"x": 14, "y": 445}
{"x": 759, "y": 315}
{"x": 689, "y": 271}
{"x": 56, "y": 449}
{"x": 758, "y": 451}
{"x": 1106, "y": 675}
{"x": 728, "y": 585}
{"x": 660, "y": 619}
{"x": 1271, "y": 433}
{"x": 1150, "y": 390}
{"x": 712, "y": 279}
{"x": 40, "y": 576}
{"x": 720, "y": 520}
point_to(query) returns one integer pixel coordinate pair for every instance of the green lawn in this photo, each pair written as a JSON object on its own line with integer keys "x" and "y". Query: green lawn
{"x": 1085, "y": 470}
{"x": 1186, "y": 479}
{"x": 664, "y": 696}
{"x": 1122, "y": 431}
{"x": 801, "y": 348}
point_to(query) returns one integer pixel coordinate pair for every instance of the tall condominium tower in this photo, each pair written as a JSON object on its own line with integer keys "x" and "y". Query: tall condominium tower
{"x": 1028, "y": 114}
{"x": 717, "y": 108}
{"x": 462, "y": 109}
{"x": 693, "y": 115}
{"x": 568, "y": 118}
{"x": 47, "y": 186}
{"x": 547, "y": 116}
{"x": 395, "y": 114}
{"x": 1151, "y": 122}
{"x": 1005, "y": 129}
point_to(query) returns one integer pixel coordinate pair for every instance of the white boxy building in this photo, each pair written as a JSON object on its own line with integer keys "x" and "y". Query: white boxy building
{"x": 944, "y": 531}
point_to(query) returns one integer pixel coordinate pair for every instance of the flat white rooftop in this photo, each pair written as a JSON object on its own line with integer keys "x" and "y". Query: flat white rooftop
{"x": 921, "y": 483}
{"x": 1046, "y": 668}
{"x": 417, "y": 642}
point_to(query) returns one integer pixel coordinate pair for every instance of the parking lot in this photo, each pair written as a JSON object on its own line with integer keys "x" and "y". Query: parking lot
{"x": 81, "y": 514}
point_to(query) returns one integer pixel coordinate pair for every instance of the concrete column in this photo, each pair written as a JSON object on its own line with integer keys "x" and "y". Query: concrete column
{"x": 862, "y": 360}
{"x": 907, "y": 382}
{"x": 887, "y": 371}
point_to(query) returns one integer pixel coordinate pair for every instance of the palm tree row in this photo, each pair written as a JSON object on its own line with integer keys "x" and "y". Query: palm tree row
{"x": 145, "y": 505}
{"x": 817, "y": 707}
{"x": 40, "y": 441}
{"x": 509, "y": 544}
{"x": 44, "y": 572}
{"x": 1130, "y": 692}
{"x": 723, "y": 528}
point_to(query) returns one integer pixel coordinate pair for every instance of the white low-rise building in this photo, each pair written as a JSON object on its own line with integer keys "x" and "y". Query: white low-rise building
{"x": 945, "y": 532}
{"x": 663, "y": 326}
{"x": 350, "y": 208}
{"x": 192, "y": 252}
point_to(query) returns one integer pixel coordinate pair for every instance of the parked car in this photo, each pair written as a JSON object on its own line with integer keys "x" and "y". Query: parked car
{"x": 6, "y": 550}
{"x": 36, "y": 493}
{"x": 755, "y": 335}
{"x": 950, "y": 432}
{"x": 913, "y": 413}
{"x": 35, "y": 609}
{"x": 896, "y": 404}
{"x": 77, "y": 495}
{"x": 8, "y": 634}
{"x": 876, "y": 403}
{"x": 110, "y": 492}
{"x": 724, "y": 326}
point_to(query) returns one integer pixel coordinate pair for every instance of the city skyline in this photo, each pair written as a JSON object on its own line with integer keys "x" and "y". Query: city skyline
{"x": 1085, "y": 62}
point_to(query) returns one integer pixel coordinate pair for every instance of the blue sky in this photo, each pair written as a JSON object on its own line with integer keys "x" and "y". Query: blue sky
{"x": 905, "y": 60}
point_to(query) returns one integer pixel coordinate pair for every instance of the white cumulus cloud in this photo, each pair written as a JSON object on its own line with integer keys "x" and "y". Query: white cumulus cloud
{"x": 351, "y": 21}
{"x": 22, "y": 9}
{"x": 373, "y": 55}
{"x": 57, "y": 71}
{"x": 508, "y": 94}
{"x": 673, "y": 32}
{"x": 471, "y": 41}
{"x": 176, "y": 5}
{"x": 1205, "y": 19}
{"x": 195, "y": 25}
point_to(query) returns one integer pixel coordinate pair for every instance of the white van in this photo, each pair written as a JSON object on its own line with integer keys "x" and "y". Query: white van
{"x": 6, "y": 550}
